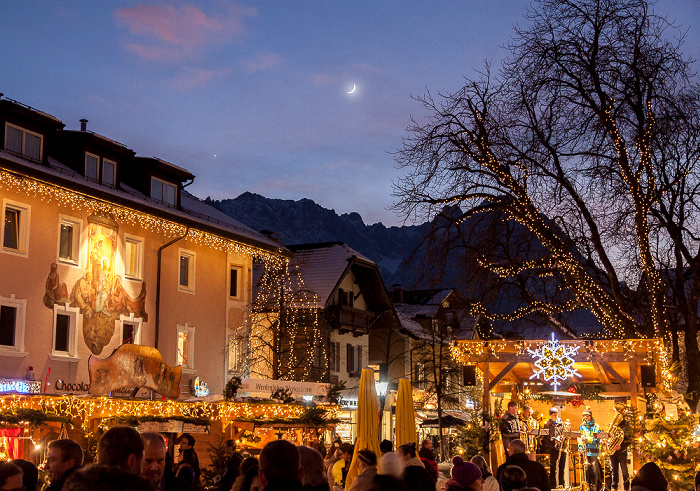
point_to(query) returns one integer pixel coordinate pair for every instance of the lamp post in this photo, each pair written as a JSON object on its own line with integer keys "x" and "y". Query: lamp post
{"x": 382, "y": 387}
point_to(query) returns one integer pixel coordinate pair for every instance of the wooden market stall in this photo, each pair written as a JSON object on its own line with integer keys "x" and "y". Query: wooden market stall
{"x": 621, "y": 370}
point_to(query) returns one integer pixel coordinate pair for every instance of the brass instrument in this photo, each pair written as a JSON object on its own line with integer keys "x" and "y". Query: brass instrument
{"x": 615, "y": 435}
{"x": 559, "y": 431}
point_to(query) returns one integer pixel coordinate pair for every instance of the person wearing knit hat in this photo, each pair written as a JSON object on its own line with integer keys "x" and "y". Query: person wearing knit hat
{"x": 650, "y": 478}
{"x": 590, "y": 447}
{"x": 465, "y": 476}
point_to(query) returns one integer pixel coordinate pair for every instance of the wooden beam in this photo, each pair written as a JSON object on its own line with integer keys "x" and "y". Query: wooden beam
{"x": 502, "y": 374}
{"x": 601, "y": 373}
{"x": 612, "y": 372}
{"x": 578, "y": 358}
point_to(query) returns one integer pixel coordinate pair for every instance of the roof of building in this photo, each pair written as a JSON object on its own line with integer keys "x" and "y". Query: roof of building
{"x": 323, "y": 266}
{"x": 193, "y": 210}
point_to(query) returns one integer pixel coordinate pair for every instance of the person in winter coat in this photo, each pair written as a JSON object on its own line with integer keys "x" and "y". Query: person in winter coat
{"x": 590, "y": 447}
{"x": 366, "y": 471}
{"x": 536, "y": 474}
{"x": 427, "y": 456}
{"x": 510, "y": 426}
{"x": 650, "y": 478}
{"x": 490, "y": 482}
{"x": 415, "y": 475}
{"x": 466, "y": 476}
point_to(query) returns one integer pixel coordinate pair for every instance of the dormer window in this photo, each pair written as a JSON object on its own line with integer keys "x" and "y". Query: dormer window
{"x": 163, "y": 191}
{"x": 23, "y": 142}
{"x": 108, "y": 170}
{"x": 105, "y": 173}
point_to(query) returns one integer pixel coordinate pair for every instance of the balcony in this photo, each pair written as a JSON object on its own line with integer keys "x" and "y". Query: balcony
{"x": 347, "y": 319}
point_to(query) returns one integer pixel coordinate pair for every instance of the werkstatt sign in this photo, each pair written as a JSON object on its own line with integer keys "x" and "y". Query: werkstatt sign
{"x": 133, "y": 365}
{"x": 264, "y": 388}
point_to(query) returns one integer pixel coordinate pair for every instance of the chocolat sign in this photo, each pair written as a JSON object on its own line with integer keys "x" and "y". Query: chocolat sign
{"x": 71, "y": 387}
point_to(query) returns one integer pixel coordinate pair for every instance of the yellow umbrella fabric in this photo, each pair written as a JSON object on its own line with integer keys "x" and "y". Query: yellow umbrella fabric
{"x": 405, "y": 415}
{"x": 367, "y": 422}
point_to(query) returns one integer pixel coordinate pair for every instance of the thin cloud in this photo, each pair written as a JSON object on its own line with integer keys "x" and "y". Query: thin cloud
{"x": 323, "y": 79}
{"x": 192, "y": 78}
{"x": 263, "y": 61}
{"x": 166, "y": 32}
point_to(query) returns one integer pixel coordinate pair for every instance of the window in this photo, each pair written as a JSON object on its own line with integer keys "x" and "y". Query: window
{"x": 12, "y": 313}
{"x": 334, "y": 358}
{"x": 65, "y": 330}
{"x": 233, "y": 353}
{"x": 69, "y": 240}
{"x": 233, "y": 283}
{"x": 163, "y": 191}
{"x": 419, "y": 379}
{"x": 133, "y": 257}
{"x": 105, "y": 173}
{"x": 108, "y": 172}
{"x": 186, "y": 282}
{"x": 15, "y": 230}
{"x": 350, "y": 357}
{"x": 91, "y": 166}
{"x": 185, "y": 346}
{"x": 130, "y": 329}
{"x": 345, "y": 297}
{"x": 360, "y": 363}
{"x": 23, "y": 142}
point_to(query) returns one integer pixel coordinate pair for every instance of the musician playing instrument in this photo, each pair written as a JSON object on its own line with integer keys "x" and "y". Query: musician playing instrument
{"x": 510, "y": 425}
{"x": 553, "y": 443}
{"x": 590, "y": 447}
{"x": 617, "y": 442}
{"x": 528, "y": 424}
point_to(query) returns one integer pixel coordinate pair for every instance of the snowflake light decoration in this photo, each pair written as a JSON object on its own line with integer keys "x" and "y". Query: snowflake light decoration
{"x": 555, "y": 362}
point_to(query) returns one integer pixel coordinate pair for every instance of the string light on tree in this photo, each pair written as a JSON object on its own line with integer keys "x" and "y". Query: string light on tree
{"x": 555, "y": 362}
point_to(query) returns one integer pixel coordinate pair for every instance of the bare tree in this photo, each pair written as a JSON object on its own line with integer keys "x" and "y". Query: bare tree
{"x": 587, "y": 137}
{"x": 433, "y": 367}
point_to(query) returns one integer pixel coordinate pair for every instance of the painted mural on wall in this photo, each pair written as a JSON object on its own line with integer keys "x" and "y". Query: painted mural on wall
{"x": 98, "y": 293}
{"x": 134, "y": 366}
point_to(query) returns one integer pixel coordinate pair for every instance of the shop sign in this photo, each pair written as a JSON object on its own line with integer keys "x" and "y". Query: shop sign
{"x": 264, "y": 388}
{"x": 63, "y": 386}
{"x": 133, "y": 365}
{"x": 20, "y": 385}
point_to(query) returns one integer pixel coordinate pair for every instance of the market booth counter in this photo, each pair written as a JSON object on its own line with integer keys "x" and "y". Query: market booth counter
{"x": 30, "y": 420}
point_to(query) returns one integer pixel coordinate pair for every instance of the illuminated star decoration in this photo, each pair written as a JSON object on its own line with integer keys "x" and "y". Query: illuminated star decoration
{"x": 555, "y": 362}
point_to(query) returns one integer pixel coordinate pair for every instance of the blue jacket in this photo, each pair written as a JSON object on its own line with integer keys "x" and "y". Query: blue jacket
{"x": 591, "y": 445}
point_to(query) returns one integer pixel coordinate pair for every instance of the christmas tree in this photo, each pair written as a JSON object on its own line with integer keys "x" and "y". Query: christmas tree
{"x": 668, "y": 438}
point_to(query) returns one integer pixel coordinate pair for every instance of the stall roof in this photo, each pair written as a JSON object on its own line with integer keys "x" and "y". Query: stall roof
{"x": 615, "y": 364}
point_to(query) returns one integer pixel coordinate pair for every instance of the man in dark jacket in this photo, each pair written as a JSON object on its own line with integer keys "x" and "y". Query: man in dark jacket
{"x": 153, "y": 464}
{"x": 618, "y": 459}
{"x": 536, "y": 474}
{"x": 510, "y": 425}
{"x": 279, "y": 467}
{"x": 233, "y": 464}
{"x": 63, "y": 457}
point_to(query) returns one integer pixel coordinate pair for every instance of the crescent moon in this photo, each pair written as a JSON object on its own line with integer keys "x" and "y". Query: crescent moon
{"x": 353, "y": 89}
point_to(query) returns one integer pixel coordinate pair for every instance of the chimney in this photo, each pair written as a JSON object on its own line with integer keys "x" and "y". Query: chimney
{"x": 83, "y": 124}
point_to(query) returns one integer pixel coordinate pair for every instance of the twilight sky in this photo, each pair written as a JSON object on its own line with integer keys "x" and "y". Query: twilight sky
{"x": 253, "y": 95}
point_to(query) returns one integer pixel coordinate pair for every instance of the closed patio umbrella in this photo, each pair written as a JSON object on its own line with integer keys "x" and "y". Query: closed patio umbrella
{"x": 367, "y": 422}
{"x": 405, "y": 415}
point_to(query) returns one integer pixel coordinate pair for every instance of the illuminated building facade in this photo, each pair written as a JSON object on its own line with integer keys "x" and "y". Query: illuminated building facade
{"x": 101, "y": 247}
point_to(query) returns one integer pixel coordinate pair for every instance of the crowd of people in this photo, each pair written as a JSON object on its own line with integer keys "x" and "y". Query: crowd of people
{"x": 132, "y": 461}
